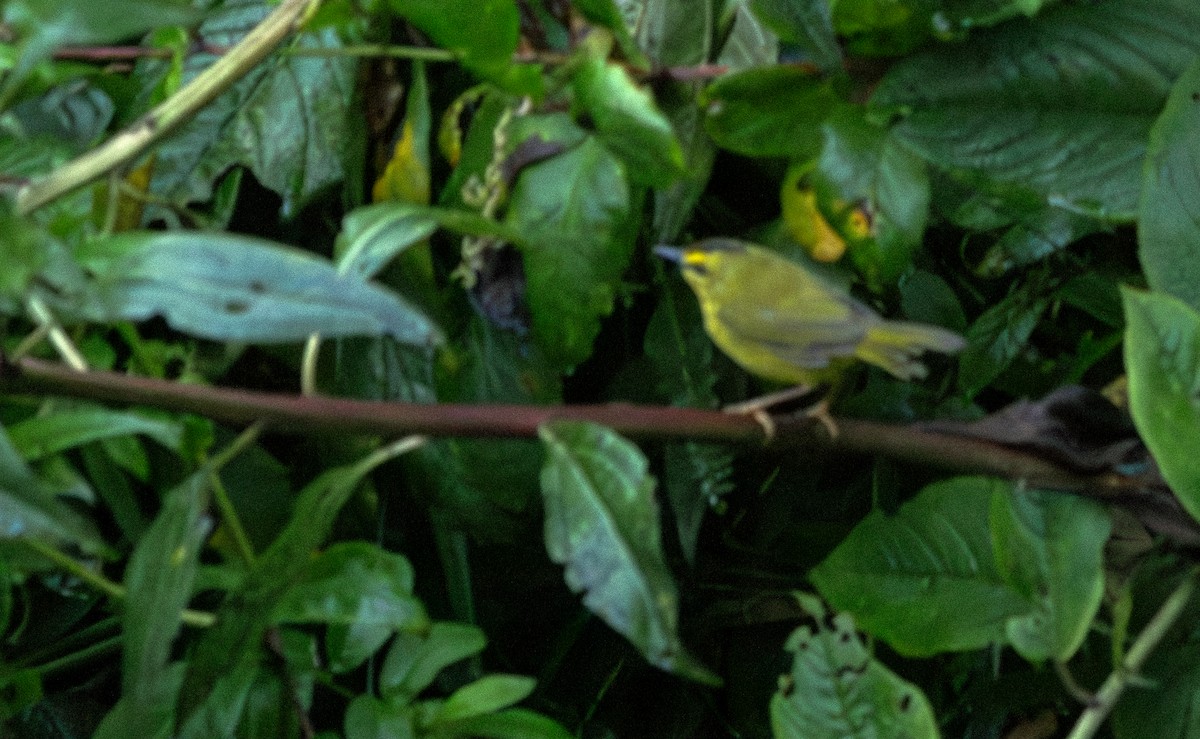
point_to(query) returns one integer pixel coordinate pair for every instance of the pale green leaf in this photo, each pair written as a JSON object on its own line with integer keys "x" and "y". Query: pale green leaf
{"x": 236, "y": 288}
{"x": 1169, "y": 211}
{"x": 1162, "y": 359}
{"x": 602, "y": 524}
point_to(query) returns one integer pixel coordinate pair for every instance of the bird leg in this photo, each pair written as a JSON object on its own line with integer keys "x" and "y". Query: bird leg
{"x": 756, "y": 408}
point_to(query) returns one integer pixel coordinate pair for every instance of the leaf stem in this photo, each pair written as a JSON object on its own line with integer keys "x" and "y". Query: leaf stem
{"x": 1095, "y": 714}
{"x": 422, "y": 53}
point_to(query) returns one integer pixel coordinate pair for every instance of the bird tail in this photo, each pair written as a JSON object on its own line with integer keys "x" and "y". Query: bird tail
{"x": 895, "y": 346}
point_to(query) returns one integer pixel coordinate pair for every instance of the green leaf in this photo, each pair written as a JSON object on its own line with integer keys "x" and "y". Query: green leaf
{"x": 999, "y": 335}
{"x": 927, "y": 298}
{"x": 486, "y": 695}
{"x": 236, "y": 288}
{"x": 673, "y": 207}
{"x": 368, "y": 717}
{"x": 287, "y": 119}
{"x": 38, "y": 265}
{"x": 573, "y": 209}
{"x": 673, "y": 34}
{"x": 353, "y": 582}
{"x": 362, "y": 592}
{"x": 925, "y": 580}
{"x": 883, "y": 27}
{"x": 1162, "y": 359}
{"x": 806, "y": 23}
{"x": 373, "y": 235}
{"x": 750, "y": 43}
{"x": 29, "y": 508}
{"x": 969, "y": 562}
{"x": 1034, "y": 237}
{"x": 221, "y": 713}
{"x": 1050, "y": 548}
{"x": 414, "y": 660}
{"x": 627, "y": 122}
{"x": 837, "y": 690}
{"x": 773, "y": 111}
{"x": 1060, "y": 107}
{"x": 605, "y": 13}
{"x": 963, "y": 15}
{"x": 158, "y": 584}
{"x": 602, "y": 524}
{"x": 44, "y": 25}
{"x": 43, "y": 436}
{"x": 864, "y": 165}
{"x": 483, "y": 33}
{"x": 513, "y": 723}
{"x": 237, "y": 637}
{"x": 1169, "y": 211}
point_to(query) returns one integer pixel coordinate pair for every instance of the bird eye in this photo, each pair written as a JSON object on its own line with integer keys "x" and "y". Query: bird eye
{"x": 697, "y": 268}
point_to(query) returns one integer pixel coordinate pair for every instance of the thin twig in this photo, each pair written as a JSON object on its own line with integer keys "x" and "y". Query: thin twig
{"x": 1147, "y": 498}
{"x": 1095, "y": 714}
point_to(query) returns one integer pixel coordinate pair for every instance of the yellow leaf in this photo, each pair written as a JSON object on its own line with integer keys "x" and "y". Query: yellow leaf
{"x": 406, "y": 177}
{"x": 804, "y": 221}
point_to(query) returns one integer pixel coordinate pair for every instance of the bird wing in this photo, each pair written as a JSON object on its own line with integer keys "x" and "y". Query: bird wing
{"x": 807, "y": 341}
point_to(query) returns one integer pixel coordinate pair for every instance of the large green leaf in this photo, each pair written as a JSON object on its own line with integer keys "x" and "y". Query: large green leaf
{"x": 1169, "y": 212}
{"x": 574, "y": 211}
{"x": 1060, "y": 106}
{"x": 770, "y": 111}
{"x": 234, "y": 288}
{"x": 362, "y": 592}
{"x": 966, "y": 564}
{"x": 286, "y": 119}
{"x": 837, "y": 690}
{"x": 627, "y": 122}
{"x": 1162, "y": 359}
{"x": 602, "y": 524}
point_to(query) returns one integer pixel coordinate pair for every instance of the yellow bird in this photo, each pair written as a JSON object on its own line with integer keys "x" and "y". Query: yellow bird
{"x": 781, "y": 322}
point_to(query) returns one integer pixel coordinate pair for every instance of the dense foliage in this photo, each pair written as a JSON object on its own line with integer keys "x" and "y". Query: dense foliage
{"x": 451, "y": 205}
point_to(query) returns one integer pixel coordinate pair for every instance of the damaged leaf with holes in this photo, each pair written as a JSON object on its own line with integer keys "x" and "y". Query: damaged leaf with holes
{"x": 234, "y": 288}
{"x": 837, "y": 690}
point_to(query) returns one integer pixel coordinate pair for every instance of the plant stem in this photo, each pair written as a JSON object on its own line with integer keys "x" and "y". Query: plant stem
{"x": 229, "y": 516}
{"x": 422, "y": 53}
{"x": 1093, "y": 716}
{"x": 103, "y": 584}
{"x": 127, "y": 145}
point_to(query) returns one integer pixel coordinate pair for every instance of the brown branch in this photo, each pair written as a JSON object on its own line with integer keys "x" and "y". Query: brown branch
{"x": 1146, "y": 496}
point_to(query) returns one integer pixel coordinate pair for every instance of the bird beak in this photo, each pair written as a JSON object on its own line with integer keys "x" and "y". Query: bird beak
{"x": 669, "y": 253}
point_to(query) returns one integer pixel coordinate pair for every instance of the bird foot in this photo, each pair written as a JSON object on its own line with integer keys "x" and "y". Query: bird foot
{"x": 756, "y": 408}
